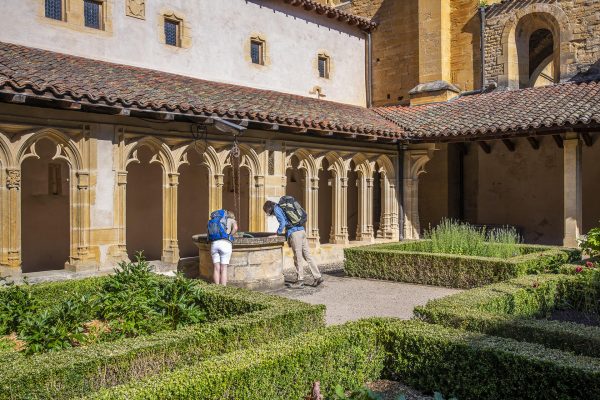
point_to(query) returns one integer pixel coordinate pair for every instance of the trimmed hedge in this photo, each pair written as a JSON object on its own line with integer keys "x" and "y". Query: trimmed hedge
{"x": 428, "y": 357}
{"x": 509, "y": 310}
{"x": 401, "y": 262}
{"x": 247, "y": 319}
{"x": 474, "y": 366}
{"x": 349, "y": 355}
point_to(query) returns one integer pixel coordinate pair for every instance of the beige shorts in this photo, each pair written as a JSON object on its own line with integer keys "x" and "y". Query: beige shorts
{"x": 220, "y": 251}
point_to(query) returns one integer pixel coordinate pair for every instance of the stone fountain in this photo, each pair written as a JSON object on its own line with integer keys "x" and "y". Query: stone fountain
{"x": 256, "y": 262}
{"x": 257, "y": 259}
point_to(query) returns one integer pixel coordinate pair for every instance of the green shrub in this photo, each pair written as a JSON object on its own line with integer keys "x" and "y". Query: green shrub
{"x": 407, "y": 262}
{"x": 16, "y": 302}
{"x": 347, "y": 355}
{"x": 237, "y": 319}
{"x": 470, "y": 365}
{"x": 591, "y": 243}
{"x": 510, "y": 309}
{"x": 454, "y": 237}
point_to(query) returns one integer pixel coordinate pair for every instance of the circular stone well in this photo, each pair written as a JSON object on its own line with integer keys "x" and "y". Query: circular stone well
{"x": 256, "y": 262}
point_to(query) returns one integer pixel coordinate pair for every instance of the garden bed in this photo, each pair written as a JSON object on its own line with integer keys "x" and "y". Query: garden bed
{"x": 233, "y": 319}
{"x": 411, "y": 262}
{"x": 425, "y": 356}
{"x": 521, "y": 309}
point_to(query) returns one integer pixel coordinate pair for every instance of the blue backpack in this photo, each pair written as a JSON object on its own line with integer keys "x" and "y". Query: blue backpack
{"x": 217, "y": 226}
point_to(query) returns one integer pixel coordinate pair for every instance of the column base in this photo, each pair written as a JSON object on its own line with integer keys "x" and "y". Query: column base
{"x": 10, "y": 271}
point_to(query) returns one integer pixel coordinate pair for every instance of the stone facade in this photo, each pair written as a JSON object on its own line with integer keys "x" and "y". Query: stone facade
{"x": 574, "y": 25}
{"x": 108, "y": 160}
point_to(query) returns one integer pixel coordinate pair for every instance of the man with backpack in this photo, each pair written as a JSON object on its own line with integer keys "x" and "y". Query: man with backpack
{"x": 292, "y": 217}
{"x": 221, "y": 228}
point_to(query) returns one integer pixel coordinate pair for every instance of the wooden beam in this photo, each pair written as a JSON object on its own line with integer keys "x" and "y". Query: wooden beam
{"x": 535, "y": 144}
{"x": 68, "y": 105}
{"x": 587, "y": 139}
{"x": 485, "y": 146}
{"x": 510, "y": 145}
{"x": 558, "y": 140}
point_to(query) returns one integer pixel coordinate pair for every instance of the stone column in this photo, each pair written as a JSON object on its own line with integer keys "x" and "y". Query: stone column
{"x": 170, "y": 250}
{"x": 215, "y": 191}
{"x": 13, "y": 184}
{"x": 311, "y": 199}
{"x": 414, "y": 165}
{"x": 257, "y": 199}
{"x": 339, "y": 207}
{"x": 80, "y": 259}
{"x": 572, "y": 190}
{"x": 364, "y": 230}
{"x": 119, "y": 251}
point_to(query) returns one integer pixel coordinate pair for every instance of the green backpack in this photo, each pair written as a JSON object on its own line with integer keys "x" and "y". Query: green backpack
{"x": 293, "y": 211}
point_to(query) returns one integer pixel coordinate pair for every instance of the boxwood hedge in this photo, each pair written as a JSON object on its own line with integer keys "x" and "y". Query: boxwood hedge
{"x": 239, "y": 319}
{"x": 475, "y": 366}
{"x": 509, "y": 309}
{"x": 429, "y": 357}
{"x": 404, "y": 263}
{"x": 349, "y": 355}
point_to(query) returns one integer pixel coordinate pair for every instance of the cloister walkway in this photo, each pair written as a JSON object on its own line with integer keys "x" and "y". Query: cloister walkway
{"x": 349, "y": 299}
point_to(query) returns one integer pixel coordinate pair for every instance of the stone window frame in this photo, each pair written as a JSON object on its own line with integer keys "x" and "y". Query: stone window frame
{"x": 73, "y": 17}
{"x": 327, "y": 59}
{"x": 324, "y": 54}
{"x": 63, "y": 17}
{"x": 177, "y": 24}
{"x": 184, "y": 31}
{"x": 102, "y": 5}
{"x": 260, "y": 38}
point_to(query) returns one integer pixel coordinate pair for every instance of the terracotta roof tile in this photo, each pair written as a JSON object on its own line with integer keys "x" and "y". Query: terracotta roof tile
{"x": 63, "y": 76}
{"x": 334, "y": 12}
{"x": 501, "y": 112}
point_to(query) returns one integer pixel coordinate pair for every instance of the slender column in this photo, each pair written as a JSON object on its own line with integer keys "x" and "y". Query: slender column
{"x": 80, "y": 220}
{"x": 414, "y": 165}
{"x": 119, "y": 252}
{"x": 311, "y": 199}
{"x": 572, "y": 190}
{"x": 339, "y": 206}
{"x": 257, "y": 199}
{"x": 170, "y": 251}
{"x": 365, "y": 209}
{"x": 215, "y": 192}
{"x": 13, "y": 184}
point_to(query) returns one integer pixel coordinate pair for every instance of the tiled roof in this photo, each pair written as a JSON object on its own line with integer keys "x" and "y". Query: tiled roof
{"x": 333, "y": 12}
{"x": 501, "y": 112}
{"x": 56, "y": 75}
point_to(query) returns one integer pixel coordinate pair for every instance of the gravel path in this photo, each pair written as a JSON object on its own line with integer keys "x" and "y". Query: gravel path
{"x": 349, "y": 299}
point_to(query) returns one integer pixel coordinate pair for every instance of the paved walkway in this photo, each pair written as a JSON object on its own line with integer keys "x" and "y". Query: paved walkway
{"x": 349, "y": 299}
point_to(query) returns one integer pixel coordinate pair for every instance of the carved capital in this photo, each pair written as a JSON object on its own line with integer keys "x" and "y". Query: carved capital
{"x": 13, "y": 179}
{"x": 83, "y": 180}
{"x": 173, "y": 179}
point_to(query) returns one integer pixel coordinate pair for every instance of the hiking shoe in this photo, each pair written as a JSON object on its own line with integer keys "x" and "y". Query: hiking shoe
{"x": 297, "y": 285}
{"x": 318, "y": 281}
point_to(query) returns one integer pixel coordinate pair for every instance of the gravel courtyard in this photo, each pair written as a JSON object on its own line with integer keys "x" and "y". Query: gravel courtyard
{"x": 349, "y": 299}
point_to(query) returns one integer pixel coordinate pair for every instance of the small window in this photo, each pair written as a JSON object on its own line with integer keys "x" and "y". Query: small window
{"x": 324, "y": 67}
{"x": 54, "y": 9}
{"x": 257, "y": 52}
{"x": 171, "y": 32}
{"x": 92, "y": 12}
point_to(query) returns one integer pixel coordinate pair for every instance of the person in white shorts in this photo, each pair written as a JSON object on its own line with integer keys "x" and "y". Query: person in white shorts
{"x": 221, "y": 249}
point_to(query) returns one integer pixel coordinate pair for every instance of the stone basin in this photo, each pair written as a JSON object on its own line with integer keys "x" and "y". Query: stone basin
{"x": 256, "y": 262}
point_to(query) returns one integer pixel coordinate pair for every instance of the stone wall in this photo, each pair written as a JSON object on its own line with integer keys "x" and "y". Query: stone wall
{"x": 577, "y": 21}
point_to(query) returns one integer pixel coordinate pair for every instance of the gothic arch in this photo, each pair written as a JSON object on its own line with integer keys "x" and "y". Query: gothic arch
{"x": 66, "y": 149}
{"x": 386, "y": 167}
{"x": 548, "y": 16}
{"x": 162, "y": 153}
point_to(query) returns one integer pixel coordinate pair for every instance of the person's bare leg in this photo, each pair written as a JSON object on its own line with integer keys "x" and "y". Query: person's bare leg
{"x": 224, "y": 274}
{"x": 217, "y": 273}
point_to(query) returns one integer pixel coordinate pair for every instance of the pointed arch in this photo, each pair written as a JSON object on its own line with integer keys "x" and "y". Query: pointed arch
{"x": 66, "y": 148}
{"x": 162, "y": 153}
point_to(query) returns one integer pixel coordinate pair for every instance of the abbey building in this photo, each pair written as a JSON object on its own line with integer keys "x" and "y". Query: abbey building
{"x": 118, "y": 119}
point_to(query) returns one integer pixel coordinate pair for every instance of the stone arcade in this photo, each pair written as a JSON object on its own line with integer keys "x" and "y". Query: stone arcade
{"x": 110, "y": 141}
